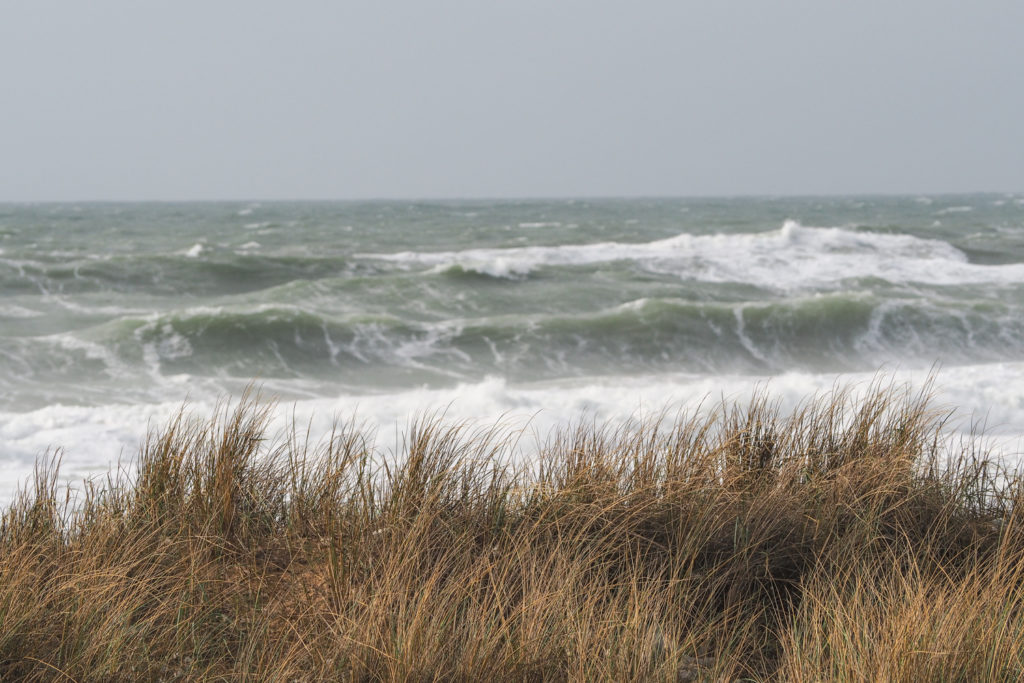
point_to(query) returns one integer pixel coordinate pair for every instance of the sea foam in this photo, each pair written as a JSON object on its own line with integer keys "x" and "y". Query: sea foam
{"x": 95, "y": 439}
{"x": 792, "y": 257}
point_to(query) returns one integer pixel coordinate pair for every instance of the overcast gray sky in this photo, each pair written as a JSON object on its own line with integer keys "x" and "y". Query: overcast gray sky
{"x": 130, "y": 99}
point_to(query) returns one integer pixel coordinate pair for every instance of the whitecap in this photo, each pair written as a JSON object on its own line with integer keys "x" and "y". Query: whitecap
{"x": 95, "y": 437}
{"x": 794, "y": 257}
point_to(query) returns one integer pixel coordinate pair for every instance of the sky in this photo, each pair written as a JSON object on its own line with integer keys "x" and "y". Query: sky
{"x": 346, "y": 99}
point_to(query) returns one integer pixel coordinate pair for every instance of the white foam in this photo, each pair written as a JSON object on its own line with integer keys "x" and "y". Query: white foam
{"x": 94, "y": 438}
{"x": 171, "y": 346}
{"x": 541, "y": 224}
{"x": 194, "y": 251}
{"x": 15, "y": 311}
{"x": 90, "y": 349}
{"x": 90, "y": 309}
{"x": 790, "y": 258}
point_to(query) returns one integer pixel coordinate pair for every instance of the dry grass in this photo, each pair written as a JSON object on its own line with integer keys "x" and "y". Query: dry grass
{"x": 847, "y": 541}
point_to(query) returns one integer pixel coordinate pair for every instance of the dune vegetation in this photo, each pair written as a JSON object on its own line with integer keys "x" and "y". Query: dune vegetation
{"x": 848, "y": 540}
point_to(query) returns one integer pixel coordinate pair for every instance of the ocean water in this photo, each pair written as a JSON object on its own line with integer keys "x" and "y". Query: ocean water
{"x": 111, "y": 315}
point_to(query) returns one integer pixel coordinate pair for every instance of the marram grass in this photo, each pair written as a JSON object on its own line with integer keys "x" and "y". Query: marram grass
{"x": 848, "y": 541}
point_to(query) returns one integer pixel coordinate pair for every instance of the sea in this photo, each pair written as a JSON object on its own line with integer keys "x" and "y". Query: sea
{"x": 535, "y": 313}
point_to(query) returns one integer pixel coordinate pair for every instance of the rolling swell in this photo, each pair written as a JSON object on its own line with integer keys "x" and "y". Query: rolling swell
{"x": 224, "y": 273}
{"x": 154, "y": 301}
{"x": 854, "y": 331}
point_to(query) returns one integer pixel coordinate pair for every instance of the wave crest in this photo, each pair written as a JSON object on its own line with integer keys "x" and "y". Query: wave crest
{"x": 792, "y": 257}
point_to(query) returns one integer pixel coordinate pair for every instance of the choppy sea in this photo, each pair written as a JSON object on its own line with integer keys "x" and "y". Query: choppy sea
{"x": 543, "y": 311}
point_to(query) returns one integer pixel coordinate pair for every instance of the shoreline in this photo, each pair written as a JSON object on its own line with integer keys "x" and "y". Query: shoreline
{"x": 94, "y": 439}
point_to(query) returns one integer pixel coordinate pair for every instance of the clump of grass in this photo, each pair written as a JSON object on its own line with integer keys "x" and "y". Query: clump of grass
{"x": 848, "y": 540}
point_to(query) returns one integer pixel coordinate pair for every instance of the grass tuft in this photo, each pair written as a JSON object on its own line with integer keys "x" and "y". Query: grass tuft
{"x": 847, "y": 540}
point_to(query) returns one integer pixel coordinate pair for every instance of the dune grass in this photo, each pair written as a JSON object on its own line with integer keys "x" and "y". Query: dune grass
{"x": 848, "y": 540}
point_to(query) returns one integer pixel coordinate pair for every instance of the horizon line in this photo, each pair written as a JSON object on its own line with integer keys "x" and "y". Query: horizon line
{"x": 511, "y": 198}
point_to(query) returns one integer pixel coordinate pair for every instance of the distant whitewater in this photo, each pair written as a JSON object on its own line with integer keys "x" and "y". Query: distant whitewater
{"x": 112, "y": 314}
